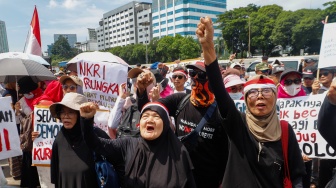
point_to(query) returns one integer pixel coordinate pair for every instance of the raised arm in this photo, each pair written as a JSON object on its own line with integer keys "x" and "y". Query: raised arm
{"x": 326, "y": 123}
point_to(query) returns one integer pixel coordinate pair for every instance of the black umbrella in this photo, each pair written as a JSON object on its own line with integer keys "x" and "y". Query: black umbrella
{"x": 12, "y": 69}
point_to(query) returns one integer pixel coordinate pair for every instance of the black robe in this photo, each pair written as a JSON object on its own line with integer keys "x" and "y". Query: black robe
{"x": 72, "y": 162}
{"x": 163, "y": 162}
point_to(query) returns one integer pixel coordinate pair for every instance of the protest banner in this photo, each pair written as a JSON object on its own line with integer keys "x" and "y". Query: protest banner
{"x": 101, "y": 119}
{"x": 48, "y": 127}
{"x": 328, "y": 46}
{"x": 9, "y": 137}
{"x": 101, "y": 81}
{"x": 302, "y": 113}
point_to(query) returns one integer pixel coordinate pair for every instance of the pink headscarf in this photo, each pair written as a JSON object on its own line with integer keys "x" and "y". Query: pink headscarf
{"x": 283, "y": 94}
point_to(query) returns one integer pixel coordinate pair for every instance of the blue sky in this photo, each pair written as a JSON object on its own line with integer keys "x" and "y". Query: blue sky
{"x": 75, "y": 16}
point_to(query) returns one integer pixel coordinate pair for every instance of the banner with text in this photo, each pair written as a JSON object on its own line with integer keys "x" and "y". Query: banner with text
{"x": 9, "y": 137}
{"x": 101, "y": 81}
{"x": 48, "y": 127}
{"x": 101, "y": 119}
{"x": 328, "y": 46}
{"x": 302, "y": 113}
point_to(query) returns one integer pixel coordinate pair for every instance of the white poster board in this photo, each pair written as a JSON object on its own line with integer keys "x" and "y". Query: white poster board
{"x": 101, "y": 81}
{"x": 302, "y": 113}
{"x": 328, "y": 46}
{"x": 9, "y": 137}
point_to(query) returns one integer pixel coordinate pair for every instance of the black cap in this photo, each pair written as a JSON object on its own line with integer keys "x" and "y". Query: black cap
{"x": 277, "y": 69}
{"x": 287, "y": 71}
{"x": 309, "y": 71}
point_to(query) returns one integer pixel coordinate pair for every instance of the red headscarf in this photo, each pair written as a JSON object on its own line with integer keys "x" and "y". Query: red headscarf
{"x": 281, "y": 92}
{"x": 53, "y": 93}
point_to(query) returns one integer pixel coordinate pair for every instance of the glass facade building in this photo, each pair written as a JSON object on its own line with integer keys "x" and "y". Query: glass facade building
{"x": 172, "y": 17}
{"x": 72, "y": 38}
{"x": 3, "y": 38}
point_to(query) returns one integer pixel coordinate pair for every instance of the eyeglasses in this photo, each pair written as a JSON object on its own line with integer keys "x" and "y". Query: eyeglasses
{"x": 62, "y": 114}
{"x": 324, "y": 74}
{"x": 71, "y": 87}
{"x": 265, "y": 92}
{"x": 177, "y": 76}
{"x": 308, "y": 78}
{"x": 200, "y": 74}
{"x": 235, "y": 89}
{"x": 290, "y": 82}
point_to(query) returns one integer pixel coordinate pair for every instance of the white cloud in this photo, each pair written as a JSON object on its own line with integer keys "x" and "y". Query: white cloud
{"x": 52, "y": 4}
{"x": 71, "y": 4}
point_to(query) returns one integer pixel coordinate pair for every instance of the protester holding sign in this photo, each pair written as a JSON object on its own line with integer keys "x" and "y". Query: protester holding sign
{"x": 72, "y": 163}
{"x": 256, "y": 154}
{"x": 156, "y": 159}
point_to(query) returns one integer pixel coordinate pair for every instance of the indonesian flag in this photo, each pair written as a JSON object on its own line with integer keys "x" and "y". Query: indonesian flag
{"x": 33, "y": 41}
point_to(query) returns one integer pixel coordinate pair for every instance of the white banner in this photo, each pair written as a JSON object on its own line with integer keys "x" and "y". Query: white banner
{"x": 302, "y": 113}
{"x": 328, "y": 46}
{"x": 101, "y": 81}
{"x": 101, "y": 119}
{"x": 9, "y": 137}
{"x": 48, "y": 127}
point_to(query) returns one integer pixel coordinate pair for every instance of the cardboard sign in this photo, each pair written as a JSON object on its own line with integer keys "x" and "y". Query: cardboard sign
{"x": 9, "y": 137}
{"x": 101, "y": 81}
{"x": 48, "y": 127}
{"x": 328, "y": 46}
{"x": 302, "y": 113}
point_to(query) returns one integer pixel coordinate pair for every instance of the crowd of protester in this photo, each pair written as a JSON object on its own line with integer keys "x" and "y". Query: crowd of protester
{"x": 232, "y": 149}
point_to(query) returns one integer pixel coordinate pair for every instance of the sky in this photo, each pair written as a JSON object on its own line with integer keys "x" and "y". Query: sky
{"x": 75, "y": 16}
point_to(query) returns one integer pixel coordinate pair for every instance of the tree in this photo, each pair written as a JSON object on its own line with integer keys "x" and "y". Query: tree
{"x": 330, "y": 11}
{"x": 62, "y": 48}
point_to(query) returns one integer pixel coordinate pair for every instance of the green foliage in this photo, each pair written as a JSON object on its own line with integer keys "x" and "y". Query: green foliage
{"x": 271, "y": 26}
{"x": 62, "y": 48}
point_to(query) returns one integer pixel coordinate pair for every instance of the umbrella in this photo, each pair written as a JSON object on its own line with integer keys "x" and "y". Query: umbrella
{"x": 94, "y": 57}
{"x": 21, "y": 55}
{"x": 12, "y": 69}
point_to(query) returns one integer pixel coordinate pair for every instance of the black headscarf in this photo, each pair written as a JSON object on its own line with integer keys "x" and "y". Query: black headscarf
{"x": 163, "y": 162}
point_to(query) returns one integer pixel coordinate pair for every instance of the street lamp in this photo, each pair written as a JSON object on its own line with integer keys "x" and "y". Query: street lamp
{"x": 145, "y": 24}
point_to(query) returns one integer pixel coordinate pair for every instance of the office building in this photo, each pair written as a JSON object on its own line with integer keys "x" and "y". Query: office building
{"x": 170, "y": 17}
{"x": 89, "y": 45}
{"x": 128, "y": 24}
{"x": 72, "y": 38}
{"x": 3, "y": 38}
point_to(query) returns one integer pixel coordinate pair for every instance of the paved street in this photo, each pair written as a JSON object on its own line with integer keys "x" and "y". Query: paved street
{"x": 10, "y": 180}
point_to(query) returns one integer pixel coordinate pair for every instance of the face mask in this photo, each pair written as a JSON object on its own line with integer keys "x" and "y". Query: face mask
{"x": 28, "y": 95}
{"x": 201, "y": 95}
{"x": 293, "y": 89}
{"x": 236, "y": 96}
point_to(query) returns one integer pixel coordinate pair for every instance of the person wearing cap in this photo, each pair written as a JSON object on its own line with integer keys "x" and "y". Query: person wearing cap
{"x": 72, "y": 162}
{"x": 71, "y": 84}
{"x": 155, "y": 159}
{"x": 209, "y": 157}
{"x": 179, "y": 78}
{"x": 308, "y": 76}
{"x": 276, "y": 72}
{"x": 262, "y": 68}
{"x": 322, "y": 85}
{"x": 255, "y": 154}
{"x": 24, "y": 111}
{"x": 290, "y": 84}
{"x": 234, "y": 86}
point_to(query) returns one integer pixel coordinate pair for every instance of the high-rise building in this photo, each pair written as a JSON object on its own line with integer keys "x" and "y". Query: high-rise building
{"x": 3, "y": 38}
{"x": 92, "y": 34}
{"x": 72, "y": 38}
{"x": 170, "y": 17}
{"x": 128, "y": 24}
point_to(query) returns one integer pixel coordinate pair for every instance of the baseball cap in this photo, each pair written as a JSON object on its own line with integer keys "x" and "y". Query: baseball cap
{"x": 261, "y": 66}
{"x": 198, "y": 64}
{"x": 232, "y": 80}
{"x": 277, "y": 69}
{"x": 288, "y": 71}
{"x": 235, "y": 64}
{"x": 77, "y": 80}
{"x": 309, "y": 72}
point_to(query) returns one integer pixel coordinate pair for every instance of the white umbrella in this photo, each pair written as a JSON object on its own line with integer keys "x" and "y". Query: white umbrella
{"x": 94, "y": 57}
{"x": 21, "y": 55}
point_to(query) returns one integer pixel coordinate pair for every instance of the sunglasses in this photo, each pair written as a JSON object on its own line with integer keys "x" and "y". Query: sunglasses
{"x": 308, "y": 78}
{"x": 177, "y": 76}
{"x": 71, "y": 87}
{"x": 324, "y": 74}
{"x": 290, "y": 82}
{"x": 200, "y": 74}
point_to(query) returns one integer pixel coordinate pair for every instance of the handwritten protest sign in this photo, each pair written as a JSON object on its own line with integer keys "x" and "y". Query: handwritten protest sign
{"x": 101, "y": 81}
{"x": 101, "y": 119}
{"x": 9, "y": 137}
{"x": 48, "y": 127}
{"x": 328, "y": 46}
{"x": 302, "y": 113}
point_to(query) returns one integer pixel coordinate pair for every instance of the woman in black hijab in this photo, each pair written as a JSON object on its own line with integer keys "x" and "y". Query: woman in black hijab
{"x": 156, "y": 159}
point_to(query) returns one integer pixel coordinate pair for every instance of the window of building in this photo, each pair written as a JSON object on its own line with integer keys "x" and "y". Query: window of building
{"x": 145, "y": 16}
{"x": 132, "y": 38}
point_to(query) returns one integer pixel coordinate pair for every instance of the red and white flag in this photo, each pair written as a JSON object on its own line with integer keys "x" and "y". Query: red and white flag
{"x": 33, "y": 41}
